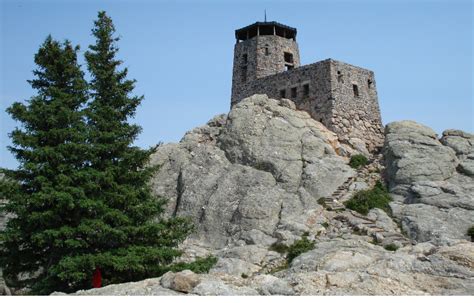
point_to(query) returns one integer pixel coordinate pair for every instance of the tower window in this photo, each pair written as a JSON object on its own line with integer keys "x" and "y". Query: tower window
{"x": 355, "y": 88}
{"x": 245, "y": 58}
{"x": 306, "y": 90}
{"x": 288, "y": 57}
{"x": 289, "y": 66}
{"x": 267, "y": 52}
{"x": 369, "y": 83}
{"x": 294, "y": 92}
{"x": 243, "y": 74}
{"x": 339, "y": 77}
{"x": 282, "y": 93}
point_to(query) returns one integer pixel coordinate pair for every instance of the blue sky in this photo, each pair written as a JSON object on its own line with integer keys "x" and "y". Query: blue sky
{"x": 180, "y": 52}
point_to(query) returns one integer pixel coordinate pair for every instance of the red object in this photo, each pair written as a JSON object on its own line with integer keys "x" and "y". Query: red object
{"x": 97, "y": 279}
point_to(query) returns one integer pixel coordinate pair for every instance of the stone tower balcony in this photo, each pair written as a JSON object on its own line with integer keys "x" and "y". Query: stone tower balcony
{"x": 265, "y": 29}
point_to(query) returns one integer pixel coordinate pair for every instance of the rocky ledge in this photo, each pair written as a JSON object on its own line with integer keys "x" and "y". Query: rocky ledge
{"x": 267, "y": 174}
{"x": 335, "y": 267}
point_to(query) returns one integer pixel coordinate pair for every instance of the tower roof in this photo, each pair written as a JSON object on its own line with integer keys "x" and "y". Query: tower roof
{"x": 265, "y": 28}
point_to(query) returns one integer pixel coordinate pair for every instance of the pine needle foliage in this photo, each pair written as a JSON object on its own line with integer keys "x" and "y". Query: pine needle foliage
{"x": 132, "y": 242}
{"x": 80, "y": 197}
{"x": 46, "y": 193}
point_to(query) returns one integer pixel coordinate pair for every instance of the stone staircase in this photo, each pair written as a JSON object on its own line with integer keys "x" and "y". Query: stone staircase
{"x": 342, "y": 193}
{"x": 364, "y": 225}
{"x": 360, "y": 223}
{"x": 334, "y": 202}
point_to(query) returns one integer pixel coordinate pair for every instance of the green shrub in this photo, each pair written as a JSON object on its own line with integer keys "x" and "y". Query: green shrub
{"x": 358, "y": 161}
{"x": 322, "y": 202}
{"x": 200, "y": 266}
{"x": 364, "y": 200}
{"x": 279, "y": 248}
{"x": 391, "y": 247}
{"x": 325, "y": 224}
{"x": 470, "y": 232}
{"x": 300, "y": 246}
{"x": 245, "y": 276}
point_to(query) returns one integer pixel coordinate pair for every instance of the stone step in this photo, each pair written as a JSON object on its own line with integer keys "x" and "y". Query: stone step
{"x": 336, "y": 208}
{"x": 392, "y": 234}
{"x": 395, "y": 237}
{"x": 335, "y": 204}
{"x": 357, "y": 215}
{"x": 369, "y": 224}
{"x": 399, "y": 239}
{"x": 377, "y": 230}
{"x": 403, "y": 243}
{"x": 370, "y": 228}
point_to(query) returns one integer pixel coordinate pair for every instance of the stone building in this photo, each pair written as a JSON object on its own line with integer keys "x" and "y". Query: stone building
{"x": 341, "y": 96}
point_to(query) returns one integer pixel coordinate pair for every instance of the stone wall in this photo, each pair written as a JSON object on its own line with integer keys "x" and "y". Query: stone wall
{"x": 317, "y": 101}
{"x": 355, "y": 117}
{"x": 325, "y": 90}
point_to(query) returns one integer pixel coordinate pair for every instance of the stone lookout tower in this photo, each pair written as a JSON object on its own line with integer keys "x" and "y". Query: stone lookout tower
{"x": 341, "y": 96}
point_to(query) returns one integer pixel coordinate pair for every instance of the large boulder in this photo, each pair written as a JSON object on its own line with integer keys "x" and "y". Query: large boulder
{"x": 460, "y": 141}
{"x": 463, "y": 144}
{"x": 413, "y": 153}
{"x": 431, "y": 180}
{"x": 251, "y": 175}
{"x": 183, "y": 281}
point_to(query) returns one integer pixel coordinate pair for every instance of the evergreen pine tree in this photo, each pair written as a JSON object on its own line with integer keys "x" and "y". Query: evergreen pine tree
{"x": 132, "y": 241}
{"x": 80, "y": 197}
{"x": 43, "y": 193}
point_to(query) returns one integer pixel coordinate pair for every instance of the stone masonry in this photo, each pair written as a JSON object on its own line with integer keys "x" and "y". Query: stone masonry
{"x": 341, "y": 96}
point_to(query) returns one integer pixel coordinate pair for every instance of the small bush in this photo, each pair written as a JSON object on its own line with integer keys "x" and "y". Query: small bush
{"x": 358, "y": 161}
{"x": 470, "y": 232}
{"x": 200, "y": 266}
{"x": 279, "y": 248}
{"x": 364, "y": 200}
{"x": 325, "y": 224}
{"x": 245, "y": 276}
{"x": 300, "y": 246}
{"x": 391, "y": 247}
{"x": 322, "y": 202}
